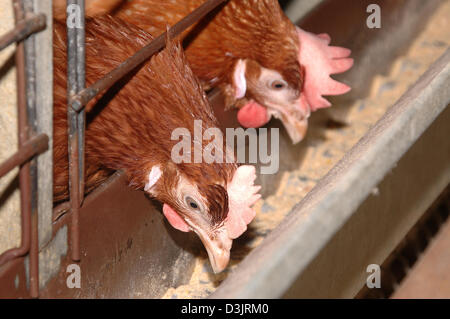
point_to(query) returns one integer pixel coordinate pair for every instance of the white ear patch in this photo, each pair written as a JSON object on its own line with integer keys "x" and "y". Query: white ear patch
{"x": 153, "y": 177}
{"x": 239, "y": 81}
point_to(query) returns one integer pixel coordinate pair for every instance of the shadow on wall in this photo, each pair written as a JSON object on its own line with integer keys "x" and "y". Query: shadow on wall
{"x": 284, "y": 3}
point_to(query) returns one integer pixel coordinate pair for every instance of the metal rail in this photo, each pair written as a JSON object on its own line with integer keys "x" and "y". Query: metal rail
{"x": 271, "y": 268}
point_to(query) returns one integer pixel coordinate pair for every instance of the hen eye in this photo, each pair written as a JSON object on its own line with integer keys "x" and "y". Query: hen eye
{"x": 191, "y": 203}
{"x": 278, "y": 85}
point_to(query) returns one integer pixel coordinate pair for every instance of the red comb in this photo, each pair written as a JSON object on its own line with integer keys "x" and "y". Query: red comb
{"x": 242, "y": 195}
{"x": 320, "y": 61}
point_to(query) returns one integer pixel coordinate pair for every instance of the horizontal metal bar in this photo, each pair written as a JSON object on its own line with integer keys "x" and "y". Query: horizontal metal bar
{"x": 32, "y": 147}
{"x": 25, "y": 27}
{"x": 270, "y": 269}
{"x": 79, "y": 101}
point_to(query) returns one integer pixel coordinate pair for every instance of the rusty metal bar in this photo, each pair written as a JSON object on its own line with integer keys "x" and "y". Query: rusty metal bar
{"x": 24, "y": 173}
{"x": 80, "y": 100}
{"x": 30, "y": 148}
{"x": 81, "y": 117}
{"x": 31, "y": 94}
{"x": 23, "y": 29}
{"x": 28, "y": 173}
{"x": 76, "y": 127}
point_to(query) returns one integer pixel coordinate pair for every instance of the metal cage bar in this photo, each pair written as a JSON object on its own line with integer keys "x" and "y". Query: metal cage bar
{"x": 30, "y": 148}
{"x": 81, "y": 99}
{"x": 23, "y": 29}
{"x": 75, "y": 83}
{"x": 24, "y": 172}
{"x": 30, "y": 144}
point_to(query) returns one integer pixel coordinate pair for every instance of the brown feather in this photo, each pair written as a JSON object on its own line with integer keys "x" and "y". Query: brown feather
{"x": 242, "y": 29}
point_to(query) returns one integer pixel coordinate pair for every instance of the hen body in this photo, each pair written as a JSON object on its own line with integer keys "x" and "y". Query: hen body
{"x": 130, "y": 127}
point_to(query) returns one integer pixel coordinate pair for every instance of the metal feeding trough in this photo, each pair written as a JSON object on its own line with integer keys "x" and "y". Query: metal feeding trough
{"x": 354, "y": 216}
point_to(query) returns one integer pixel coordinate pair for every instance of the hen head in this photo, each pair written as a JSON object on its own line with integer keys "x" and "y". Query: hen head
{"x": 218, "y": 212}
{"x": 286, "y": 71}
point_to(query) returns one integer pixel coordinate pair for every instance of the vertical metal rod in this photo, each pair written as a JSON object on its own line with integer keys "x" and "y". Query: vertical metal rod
{"x": 81, "y": 83}
{"x": 31, "y": 93}
{"x": 76, "y": 122}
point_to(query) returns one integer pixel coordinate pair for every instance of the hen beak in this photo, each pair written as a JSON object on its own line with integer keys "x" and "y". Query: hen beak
{"x": 294, "y": 118}
{"x": 218, "y": 246}
{"x": 295, "y": 127}
{"x": 217, "y": 242}
{"x": 242, "y": 194}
